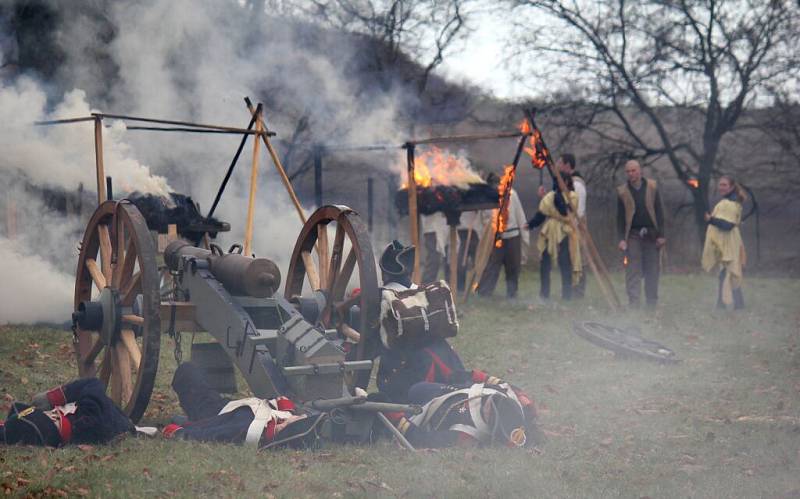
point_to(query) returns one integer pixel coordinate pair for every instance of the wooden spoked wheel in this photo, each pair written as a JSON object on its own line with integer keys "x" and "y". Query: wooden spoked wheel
{"x": 342, "y": 269}
{"x": 117, "y": 274}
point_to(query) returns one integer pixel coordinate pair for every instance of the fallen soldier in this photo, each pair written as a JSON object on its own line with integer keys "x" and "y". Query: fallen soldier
{"x": 252, "y": 421}
{"x": 409, "y": 358}
{"x": 473, "y": 415}
{"x": 78, "y": 412}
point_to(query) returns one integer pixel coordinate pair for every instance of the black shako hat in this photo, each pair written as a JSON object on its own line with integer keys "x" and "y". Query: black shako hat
{"x": 506, "y": 422}
{"x": 397, "y": 260}
{"x": 27, "y": 425}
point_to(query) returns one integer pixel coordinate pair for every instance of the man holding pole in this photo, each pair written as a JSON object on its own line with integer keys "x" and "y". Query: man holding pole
{"x": 640, "y": 225}
{"x": 566, "y": 165}
{"x": 509, "y": 253}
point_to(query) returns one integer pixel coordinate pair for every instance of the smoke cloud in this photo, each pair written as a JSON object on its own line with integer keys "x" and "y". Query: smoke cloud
{"x": 34, "y": 290}
{"x": 173, "y": 59}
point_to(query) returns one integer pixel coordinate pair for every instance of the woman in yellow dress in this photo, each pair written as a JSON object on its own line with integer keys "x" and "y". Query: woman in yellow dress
{"x": 724, "y": 246}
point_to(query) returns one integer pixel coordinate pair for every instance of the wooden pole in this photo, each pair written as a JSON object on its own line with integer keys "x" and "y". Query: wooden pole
{"x": 492, "y": 230}
{"x": 11, "y": 219}
{"x": 232, "y": 165}
{"x": 277, "y": 162}
{"x": 413, "y": 222}
{"x": 469, "y": 239}
{"x": 454, "y": 261}
{"x": 592, "y": 255}
{"x": 485, "y": 248}
{"x": 98, "y": 159}
{"x": 248, "y": 228}
{"x": 599, "y": 270}
{"x": 318, "y": 176}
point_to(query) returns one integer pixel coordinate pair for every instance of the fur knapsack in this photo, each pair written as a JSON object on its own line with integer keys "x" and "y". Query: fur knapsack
{"x": 410, "y": 317}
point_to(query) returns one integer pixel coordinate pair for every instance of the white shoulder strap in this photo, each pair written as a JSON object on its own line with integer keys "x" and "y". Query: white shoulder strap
{"x": 263, "y": 413}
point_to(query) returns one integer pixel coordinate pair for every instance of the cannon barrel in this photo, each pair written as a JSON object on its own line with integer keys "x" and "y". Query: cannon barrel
{"x": 241, "y": 275}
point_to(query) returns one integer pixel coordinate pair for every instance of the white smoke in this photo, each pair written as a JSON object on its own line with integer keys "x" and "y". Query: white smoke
{"x": 33, "y": 288}
{"x": 63, "y": 156}
{"x": 191, "y": 60}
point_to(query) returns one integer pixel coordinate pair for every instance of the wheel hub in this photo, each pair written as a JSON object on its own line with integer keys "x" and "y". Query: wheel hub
{"x": 103, "y": 315}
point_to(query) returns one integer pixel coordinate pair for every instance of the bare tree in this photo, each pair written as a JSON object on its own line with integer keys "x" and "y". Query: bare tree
{"x": 423, "y": 30}
{"x": 644, "y": 61}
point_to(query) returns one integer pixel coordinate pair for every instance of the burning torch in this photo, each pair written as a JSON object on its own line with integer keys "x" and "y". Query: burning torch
{"x": 537, "y": 153}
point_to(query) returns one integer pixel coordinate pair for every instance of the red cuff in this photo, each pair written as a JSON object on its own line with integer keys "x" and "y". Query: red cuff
{"x": 478, "y": 376}
{"x": 394, "y": 417}
{"x": 66, "y": 429}
{"x": 56, "y": 397}
{"x": 170, "y": 429}
{"x": 269, "y": 430}
{"x": 285, "y": 404}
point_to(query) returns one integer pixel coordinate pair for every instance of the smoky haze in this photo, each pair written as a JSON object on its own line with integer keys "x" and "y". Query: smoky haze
{"x": 184, "y": 60}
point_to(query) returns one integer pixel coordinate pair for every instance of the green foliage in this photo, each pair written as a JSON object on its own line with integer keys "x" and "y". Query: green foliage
{"x": 723, "y": 423}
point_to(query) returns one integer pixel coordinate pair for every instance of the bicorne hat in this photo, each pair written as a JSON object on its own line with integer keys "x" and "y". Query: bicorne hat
{"x": 397, "y": 260}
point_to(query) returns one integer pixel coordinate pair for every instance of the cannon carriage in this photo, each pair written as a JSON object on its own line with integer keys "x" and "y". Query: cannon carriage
{"x": 308, "y": 346}
{"x": 313, "y": 340}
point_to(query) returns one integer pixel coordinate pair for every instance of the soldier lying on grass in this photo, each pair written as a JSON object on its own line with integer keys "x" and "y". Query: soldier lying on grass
{"x": 415, "y": 323}
{"x": 76, "y": 413}
{"x": 252, "y": 421}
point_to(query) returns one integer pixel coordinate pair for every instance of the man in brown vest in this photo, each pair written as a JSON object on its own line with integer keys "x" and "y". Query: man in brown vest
{"x": 640, "y": 225}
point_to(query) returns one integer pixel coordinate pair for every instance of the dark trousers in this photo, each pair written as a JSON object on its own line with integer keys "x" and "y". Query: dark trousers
{"x": 462, "y": 267}
{"x": 198, "y": 400}
{"x": 433, "y": 260}
{"x": 564, "y": 265}
{"x": 643, "y": 261}
{"x": 509, "y": 255}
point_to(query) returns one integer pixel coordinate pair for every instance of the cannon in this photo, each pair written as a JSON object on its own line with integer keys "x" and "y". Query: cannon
{"x": 314, "y": 342}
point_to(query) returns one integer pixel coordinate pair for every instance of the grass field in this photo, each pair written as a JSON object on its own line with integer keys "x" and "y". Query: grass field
{"x": 725, "y": 422}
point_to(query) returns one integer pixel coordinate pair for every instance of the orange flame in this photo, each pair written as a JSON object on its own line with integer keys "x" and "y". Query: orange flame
{"x": 524, "y": 127}
{"x": 693, "y": 183}
{"x": 625, "y": 261}
{"x": 501, "y": 220}
{"x": 539, "y": 154}
{"x": 440, "y": 167}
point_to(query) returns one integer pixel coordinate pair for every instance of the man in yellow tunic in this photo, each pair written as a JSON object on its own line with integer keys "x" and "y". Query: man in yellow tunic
{"x": 724, "y": 246}
{"x": 558, "y": 240}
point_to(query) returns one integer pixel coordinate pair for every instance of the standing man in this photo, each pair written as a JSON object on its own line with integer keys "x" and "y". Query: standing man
{"x": 558, "y": 240}
{"x": 509, "y": 255}
{"x": 640, "y": 225}
{"x": 566, "y": 165}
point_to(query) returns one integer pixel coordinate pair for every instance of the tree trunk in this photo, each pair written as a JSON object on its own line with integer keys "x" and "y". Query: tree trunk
{"x": 700, "y": 194}
{"x": 700, "y": 205}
